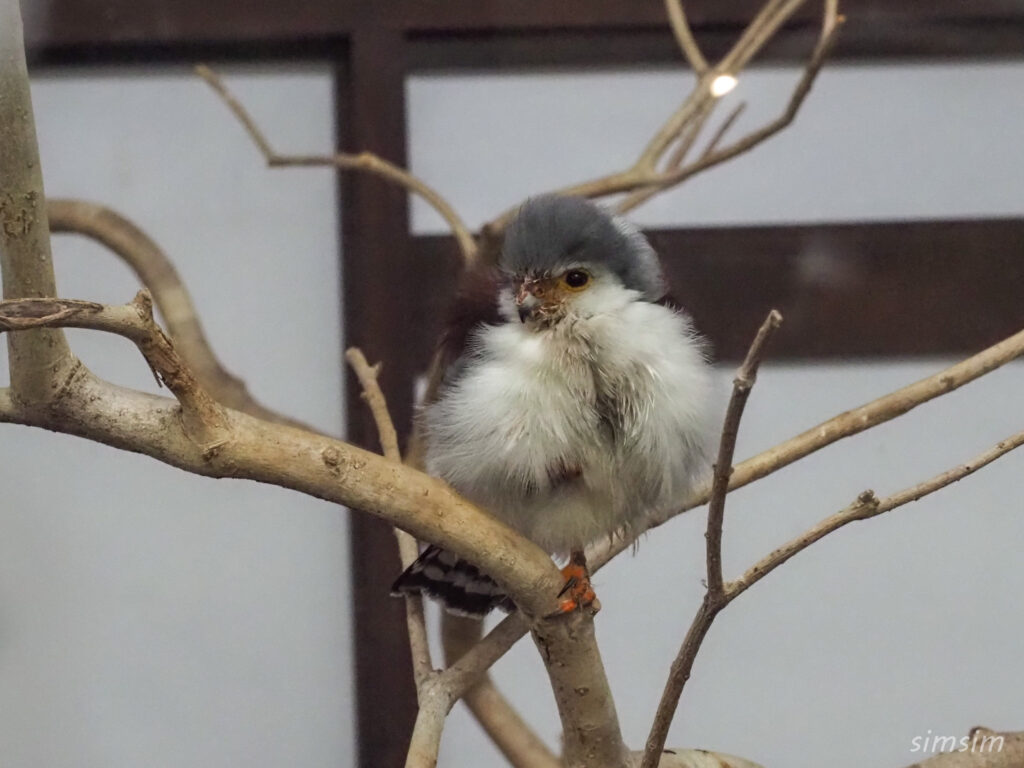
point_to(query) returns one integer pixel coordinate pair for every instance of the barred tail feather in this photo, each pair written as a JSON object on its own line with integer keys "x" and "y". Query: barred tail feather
{"x": 462, "y": 588}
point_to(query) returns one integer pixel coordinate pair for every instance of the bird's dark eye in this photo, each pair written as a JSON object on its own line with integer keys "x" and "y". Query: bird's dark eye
{"x": 575, "y": 279}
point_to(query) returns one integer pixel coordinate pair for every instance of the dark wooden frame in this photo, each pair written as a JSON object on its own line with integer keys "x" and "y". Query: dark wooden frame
{"x": 972, "y": 271}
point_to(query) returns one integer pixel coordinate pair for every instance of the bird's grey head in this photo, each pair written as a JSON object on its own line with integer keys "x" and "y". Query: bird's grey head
{"x": 566, "y": 253}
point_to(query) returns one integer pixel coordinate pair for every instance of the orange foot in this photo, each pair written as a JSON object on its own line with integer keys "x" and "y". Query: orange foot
{"x": 577, "y": 593}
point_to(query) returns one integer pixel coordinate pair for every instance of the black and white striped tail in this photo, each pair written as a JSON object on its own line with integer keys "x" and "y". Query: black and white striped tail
{"x": 463, "y": 588}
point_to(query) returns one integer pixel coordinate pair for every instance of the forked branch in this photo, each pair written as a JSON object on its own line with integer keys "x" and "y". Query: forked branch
{"x": 170, "y": 295}
{"x": 655, "y": 168}
{"x": 365, "y": 162}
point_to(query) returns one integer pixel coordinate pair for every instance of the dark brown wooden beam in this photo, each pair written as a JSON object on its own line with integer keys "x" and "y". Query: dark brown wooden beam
{"x": 531, "y": 32}
{"x": 453, "y": 16}
{"x": 861, "y": 40}
{"x": 870, "y": 290}
{"x": 378, "y": 290}
{"x": 162, "y": 23}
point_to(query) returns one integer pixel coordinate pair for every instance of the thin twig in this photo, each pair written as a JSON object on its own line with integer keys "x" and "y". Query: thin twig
{"x": 204, "y": 417}
{"x": 366, "y": 162}
{"x": 714, "y": 598}
{"x": 719, "y": 134}
{"x": 419, "y": 645}
{"x": 741, "y": 386}
{"x": 866, "y": 506}
{"x": 374, "y": 397}
{"x": 751, "y": 140}
{"x": 684, "y": 36}
{"x": 643, "y": 178}
{"x": 682, "y": 149}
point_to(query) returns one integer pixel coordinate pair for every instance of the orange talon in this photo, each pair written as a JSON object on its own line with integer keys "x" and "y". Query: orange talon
{"x": 578, "y": 591}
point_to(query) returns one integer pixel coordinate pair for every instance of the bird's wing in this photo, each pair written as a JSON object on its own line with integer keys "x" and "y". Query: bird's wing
{"x": 475, "y": 305}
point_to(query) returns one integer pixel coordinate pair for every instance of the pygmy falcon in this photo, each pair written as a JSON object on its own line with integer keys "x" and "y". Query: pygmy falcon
{"x": 575, "y": 400}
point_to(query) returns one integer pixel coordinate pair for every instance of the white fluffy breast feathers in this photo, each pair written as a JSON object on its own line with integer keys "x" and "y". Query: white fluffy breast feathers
{"x": 578, "y": 430}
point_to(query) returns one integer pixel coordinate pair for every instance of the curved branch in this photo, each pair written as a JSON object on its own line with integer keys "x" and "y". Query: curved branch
{"x": 252, "y": 449}
{"x": 156, "y": 272}
{"x": 272, "y": 453}
{"x": 684, "y": 36}
{"x": 363, "y": 161}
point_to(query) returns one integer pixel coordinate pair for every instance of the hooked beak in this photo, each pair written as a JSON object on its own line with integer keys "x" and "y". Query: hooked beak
{"x": 526, "y": 301}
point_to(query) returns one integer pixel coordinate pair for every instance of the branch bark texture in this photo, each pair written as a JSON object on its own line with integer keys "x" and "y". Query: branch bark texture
{"x": 39, "y": 360}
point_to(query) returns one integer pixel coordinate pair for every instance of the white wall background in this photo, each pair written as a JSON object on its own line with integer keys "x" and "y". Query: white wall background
{"x": 149, "y": 617}
{"x": 894, "y": 628}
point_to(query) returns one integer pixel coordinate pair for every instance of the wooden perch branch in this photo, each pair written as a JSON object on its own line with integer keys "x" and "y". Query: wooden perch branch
{"x": 365, "y": 162}
{"x": 257, "y": 450}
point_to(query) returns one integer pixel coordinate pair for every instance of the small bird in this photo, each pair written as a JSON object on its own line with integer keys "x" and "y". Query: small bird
{"x": 575, "y": 400}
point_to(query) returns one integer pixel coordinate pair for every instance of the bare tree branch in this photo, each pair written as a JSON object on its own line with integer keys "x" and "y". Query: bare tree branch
{"x": 422, "y": 666}
{"x": 687, "y": 139}
{"x": 39, "y": 361}
{"x": 203, "y": 418}
{"x": 468, "y": 657}
{"x": 366, "y": 162}
{"x": 866, "y": 506}
{"x": 715, "y": 598}
{"x": 310, "y": 463}
{"x": 684, "y": 36}
{"x": 249, "y": 448}
{"x": 644, "y": 179}
{"x": 156, "y": 273}
{"x": 741, "y": 387}
{"x": 374, "y": 398}
{"x": 723, "y": 129}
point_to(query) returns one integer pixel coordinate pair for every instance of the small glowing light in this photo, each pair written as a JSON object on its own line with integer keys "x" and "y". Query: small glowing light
{"x": 722, "y": 84}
